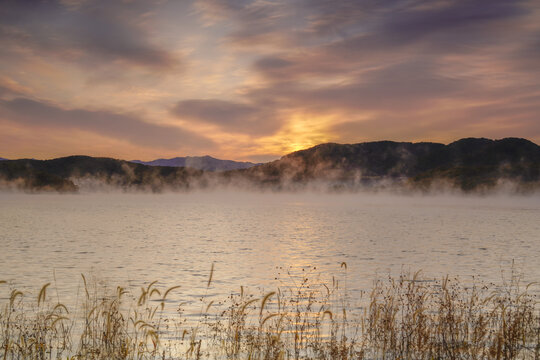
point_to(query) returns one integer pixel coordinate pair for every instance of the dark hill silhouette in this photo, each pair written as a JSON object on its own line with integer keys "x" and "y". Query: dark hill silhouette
{"x": 206, "y": 163}
{"x": 60, "y": 174}
{"x": 469, "y": 164}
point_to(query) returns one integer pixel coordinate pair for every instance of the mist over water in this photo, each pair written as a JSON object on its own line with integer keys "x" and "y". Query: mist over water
{"x": 132, "y": 239}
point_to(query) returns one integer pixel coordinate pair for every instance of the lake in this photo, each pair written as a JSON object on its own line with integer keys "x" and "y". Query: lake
{"x": 252, "y": 239}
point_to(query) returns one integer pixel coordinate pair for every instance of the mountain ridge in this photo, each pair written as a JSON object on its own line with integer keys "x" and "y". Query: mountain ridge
{"x": 67, "y": 174}
{"x": 207, "y": 163}
{"x": 469, "y": 164}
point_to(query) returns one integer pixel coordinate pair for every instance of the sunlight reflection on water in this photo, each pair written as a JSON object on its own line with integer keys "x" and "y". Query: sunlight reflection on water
{"x": 134, "y": 239}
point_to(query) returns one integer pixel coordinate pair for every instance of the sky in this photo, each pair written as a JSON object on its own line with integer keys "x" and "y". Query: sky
{"x": 255, "y": 80}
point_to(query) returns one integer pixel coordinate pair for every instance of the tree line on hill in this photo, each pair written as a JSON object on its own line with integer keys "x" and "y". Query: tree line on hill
{"x": 469, "y": 165}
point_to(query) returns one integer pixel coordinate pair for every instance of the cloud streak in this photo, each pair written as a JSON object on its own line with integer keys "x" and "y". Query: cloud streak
{"x": 129, "y": 128}
{"x": 91, "y": 32}
{"x": 259, "y": 77}
{"x": 229, "y": 116}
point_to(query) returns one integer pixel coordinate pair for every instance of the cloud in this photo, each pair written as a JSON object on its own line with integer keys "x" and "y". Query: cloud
{"x": 527, "y": 55}
{"x": 411, "y": 68}
{"x": 495, "y": 114}
{"x": 254, "y": 23}
{"x": 10, "y": 87}
{"x": 399, "y": 22}
{"x": 36, "y": 114}
{"x": 92, "y": 32}
{"x": 276, "y": 68}
{"x": 449, "y": 19}
{"x": 363, "y": 34}
{"x": 229, "y": 116}
{"x": 381, "y": 23}
{"x": 280, "y": 69}
{"x": 401, "y": 86}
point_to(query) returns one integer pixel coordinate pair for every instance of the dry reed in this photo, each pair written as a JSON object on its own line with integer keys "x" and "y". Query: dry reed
{"x": 405, "y": 317}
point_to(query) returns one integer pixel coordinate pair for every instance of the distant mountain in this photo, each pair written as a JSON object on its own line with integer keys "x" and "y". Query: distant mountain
{"x": 206, "y": 163}
{"x": 1, "y": 159}
{"x": 68, "y": 174}
{"x": 468, "y": 164}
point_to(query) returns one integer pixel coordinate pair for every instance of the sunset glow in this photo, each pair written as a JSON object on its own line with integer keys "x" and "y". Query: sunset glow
{"x": 254, "y": 80}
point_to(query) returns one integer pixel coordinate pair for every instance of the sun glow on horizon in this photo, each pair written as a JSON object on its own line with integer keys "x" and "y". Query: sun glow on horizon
{"x": 257, "y": 80}
{"x": 304, "y": 130}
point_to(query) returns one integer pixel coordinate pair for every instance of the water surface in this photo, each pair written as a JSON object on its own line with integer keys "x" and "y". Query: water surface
{"x": 254, "y": 238}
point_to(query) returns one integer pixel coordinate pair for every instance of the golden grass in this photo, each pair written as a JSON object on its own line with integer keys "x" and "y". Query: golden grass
{"x": 405, "y": 317}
